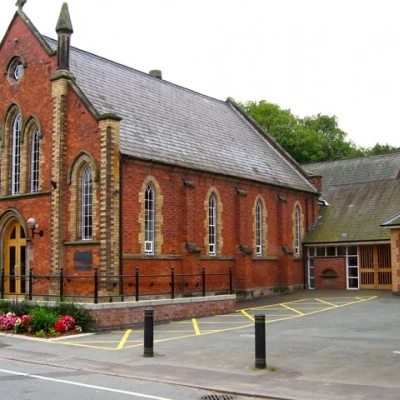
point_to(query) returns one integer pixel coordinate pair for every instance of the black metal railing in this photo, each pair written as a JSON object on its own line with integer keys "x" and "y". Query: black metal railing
{"x": 61, "y": 287}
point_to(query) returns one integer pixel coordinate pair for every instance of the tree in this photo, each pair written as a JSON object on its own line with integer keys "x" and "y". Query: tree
{"x": 308, "y": 140}
{"x": 380, "y": 149}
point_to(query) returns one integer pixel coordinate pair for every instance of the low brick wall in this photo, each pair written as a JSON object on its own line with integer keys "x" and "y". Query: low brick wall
{"x": 130, "y": 313}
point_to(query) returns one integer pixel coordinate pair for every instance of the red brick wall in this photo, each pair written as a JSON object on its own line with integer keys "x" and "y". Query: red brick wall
{"x": 337, "y": 265}
{"x": 178, "y": 226}
{"x": 112, "y": 316}
{"x": 183, "y": 207}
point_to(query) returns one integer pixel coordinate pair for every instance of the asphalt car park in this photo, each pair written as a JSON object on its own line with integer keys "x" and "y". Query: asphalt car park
{"x": 320, "y": 345}
{"x": 243, "y": 318}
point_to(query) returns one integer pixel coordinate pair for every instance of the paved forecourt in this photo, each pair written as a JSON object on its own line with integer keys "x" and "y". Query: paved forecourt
{"x": 241, "y": 319}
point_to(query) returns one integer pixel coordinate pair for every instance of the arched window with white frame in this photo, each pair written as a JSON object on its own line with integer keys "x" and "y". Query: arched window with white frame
{"x": 87, "y": 204}
{"x": 297, "y": 233}
{"x": 149, "y": 222}
{"x": 16, "y": 154}
{"x": 259, "y": 228}
{"x": 35, "y": 160}
{"x": 212, "y": 225}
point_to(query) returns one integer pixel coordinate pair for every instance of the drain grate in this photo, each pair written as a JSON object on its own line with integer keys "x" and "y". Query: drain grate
{"x": 218, "y": 397}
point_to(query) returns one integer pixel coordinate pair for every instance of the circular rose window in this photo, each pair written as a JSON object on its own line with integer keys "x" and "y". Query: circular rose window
{"x": 15, "y": 70}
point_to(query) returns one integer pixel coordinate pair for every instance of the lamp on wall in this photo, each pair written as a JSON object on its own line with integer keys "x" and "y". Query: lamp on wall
{"x": 33, "y": 225}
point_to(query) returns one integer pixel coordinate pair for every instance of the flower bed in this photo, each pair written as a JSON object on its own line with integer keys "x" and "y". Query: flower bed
{"x": 13, "y": 323}
{"x": 35, "y": 320}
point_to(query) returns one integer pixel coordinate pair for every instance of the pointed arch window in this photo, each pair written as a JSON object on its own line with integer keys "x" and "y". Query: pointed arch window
{"x": 212, "y": 225}
{"x": 87, "y": 204}
{"x": 149, "y": 222}
{"x": 259, "y": 230}
{"x": 297, "y": 231}
{"x": 16, "y": 154}
{"x": 35, "y": 159}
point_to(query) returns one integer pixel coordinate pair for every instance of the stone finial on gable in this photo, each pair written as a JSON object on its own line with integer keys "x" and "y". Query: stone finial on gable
{"x": 64, "y": 31}
{"x": 20, "y": 4}
{"x": 64, "y": 24}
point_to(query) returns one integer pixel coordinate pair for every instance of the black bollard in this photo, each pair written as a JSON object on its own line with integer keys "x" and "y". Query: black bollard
{"x": 260, "y": 341}
{"x": 148, "y": 332}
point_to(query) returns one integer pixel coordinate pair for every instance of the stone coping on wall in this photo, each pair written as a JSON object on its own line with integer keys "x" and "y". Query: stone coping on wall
{"x": 134, "y": 303}
{"x": 156, "y": 302}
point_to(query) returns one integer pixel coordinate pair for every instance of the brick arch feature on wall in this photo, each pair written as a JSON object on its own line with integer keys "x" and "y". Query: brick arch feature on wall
{"x": 74, "y": 180}
{"x": 158, "y": 222}
{"x": 12, "y": 111}
{"x": 31, "y": 123}
{"x": 264, "y": 225}
{"x": 220, "y": 241}
{"x": 6, "y": 218}
{"x": 297, "y": 205}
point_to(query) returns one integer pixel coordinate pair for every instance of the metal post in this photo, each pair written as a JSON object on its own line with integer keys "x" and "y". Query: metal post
{"x": 61, "y": 284}
{"x": 30, "y": 285}
{"x": 137, "y": 283}
{"x": 96, "y": 286}
{"x": 148, "y": 332}
{"x": 172, "y": 283}
{"x": 203, "y": 278}
{"x": 2, "y": 278}
{"x": 260, "y": 341}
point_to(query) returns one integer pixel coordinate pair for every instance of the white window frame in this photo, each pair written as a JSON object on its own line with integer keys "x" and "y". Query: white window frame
{"x": 149, "y": 220}
{"x": 212, "y": 225}
{"x": 16, "y": 155}
{"x": 35, "y": 160}
{"x": 259, "y": 230}
{"x": 297, "y": 241}
{"x": 87, "y": 204}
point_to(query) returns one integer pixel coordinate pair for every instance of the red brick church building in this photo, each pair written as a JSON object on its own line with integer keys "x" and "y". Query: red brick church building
{"x": 107, "y": 167}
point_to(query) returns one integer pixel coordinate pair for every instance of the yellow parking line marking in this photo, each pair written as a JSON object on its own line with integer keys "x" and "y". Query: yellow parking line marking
{"x": 291, "y": 309}
{"x": 196, "y": 326}
{"x": 327, "y": 302}
{"x": 244, "y": 312}
{"x": 325, "y": 305}
{"x": 124, "y": 339}
{"x": 189, "y": 336}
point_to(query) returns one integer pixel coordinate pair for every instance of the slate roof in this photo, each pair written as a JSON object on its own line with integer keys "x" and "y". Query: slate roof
{"x": 166, "y": 123}
{"x": 362, "y": 194}
{"x": 356, "y": 170}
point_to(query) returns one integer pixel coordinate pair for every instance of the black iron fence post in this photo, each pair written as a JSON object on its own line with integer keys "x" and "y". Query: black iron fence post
{"x": 2, "y": 278}
{"x": 203, "y": 280}
{"x": 230, "y": 281}
{"x": 172, "y": 283}
{"x": 61, "y": 284}
{"x": 148, "y": 333}
{"x": 260, "y": 341}
{"x": 30, "y": 284}
{"x": 96, "y": 286}
{"x": 137, "y": 284}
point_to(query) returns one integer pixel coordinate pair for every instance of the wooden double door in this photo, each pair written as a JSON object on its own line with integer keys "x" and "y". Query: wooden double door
{"x": 15, "y": 260}
{"x": 375, "y": 267}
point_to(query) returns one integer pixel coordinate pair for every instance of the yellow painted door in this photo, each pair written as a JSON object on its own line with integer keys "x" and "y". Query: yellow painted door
{"x": 375, "y": 267}
{"x": 15, "y": 255}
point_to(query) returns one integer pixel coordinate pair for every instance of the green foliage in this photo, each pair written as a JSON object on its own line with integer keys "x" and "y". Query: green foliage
{"x": 42, "y": 319}
{"x": 311, "y": 139}
{"x": 40, "y": 334}
{"x": 380, "y": 149}
{"x": 82, "y": 318}
{"x": 4, "y": 306}
{"x": 24, "y": 307}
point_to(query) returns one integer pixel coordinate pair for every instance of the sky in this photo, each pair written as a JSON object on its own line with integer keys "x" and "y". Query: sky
{"x": 334, "y": 57}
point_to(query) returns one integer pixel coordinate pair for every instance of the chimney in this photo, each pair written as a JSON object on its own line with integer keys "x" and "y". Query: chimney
{"x": 64, "y": 31}
{"x": 156, "y": 73}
